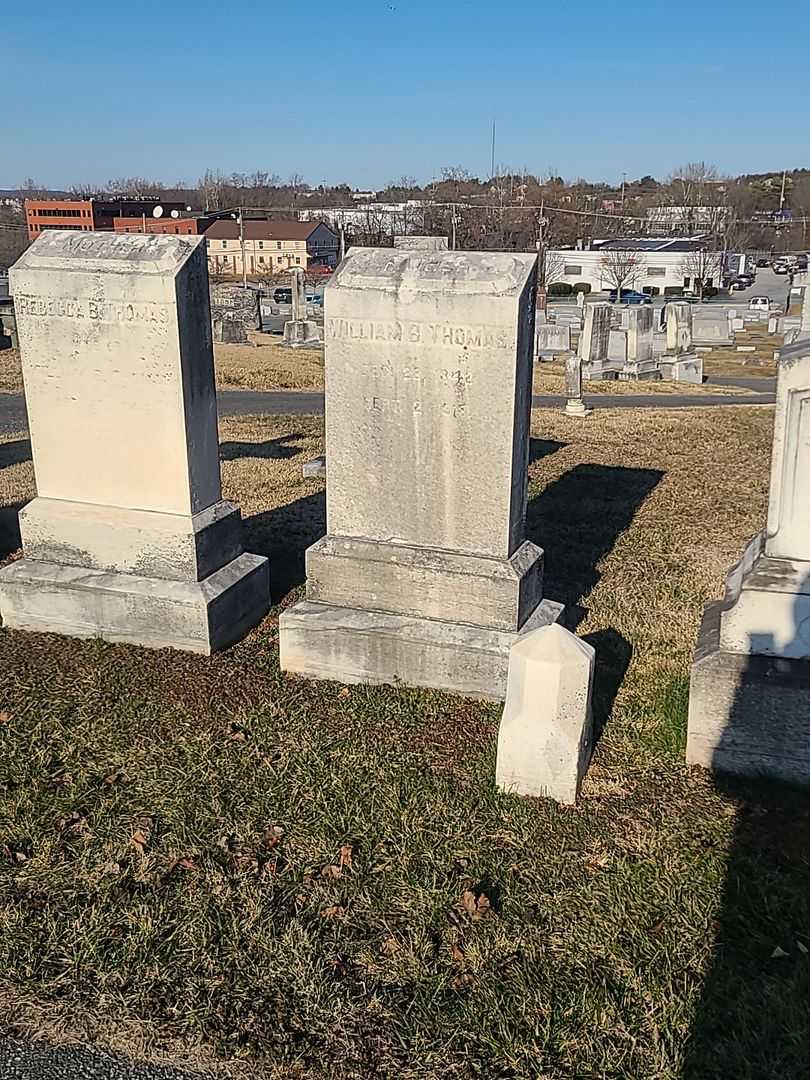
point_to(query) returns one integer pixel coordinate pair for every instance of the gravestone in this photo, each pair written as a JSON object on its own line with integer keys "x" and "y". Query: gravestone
{"x": 129, "y": 538}
{"x": 420, "y": 243}
{"x": 594, "y": 343}
{"x": 805, "y": 316}
{"x": 234, "y": 311}
{"x": 551, "y": 339}
{"x": 641, "y": 360}
{"x": 711, "y": 326}
{"x": 300, "y": 331}
{"x": 749, "y": 702}
{"x": 425, "y": 574}
{"x": 680, "y": 363}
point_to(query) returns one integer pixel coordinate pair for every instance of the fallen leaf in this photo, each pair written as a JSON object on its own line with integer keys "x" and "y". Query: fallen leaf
{"x": 138, "y": 841}
{"x": 237, "y": 733}
{"x": 341, "y": 970}
{"x": 336, "y": 911}
{"x": 461, "y": 982}
{"x": 111, "y": 868}
{"x": 330, "y": 871}
{"x": 20, "y": 857}
{"x": 114, "y": 777}
{"x": 183, "y": 864}
{"x": 344, "y": 692}
{"x": 456, "y": 952}
{"x": 346, "y": 856}
{"x": 778, "y": 954}
{"x": 4, "y": 717}
{"x": 475, "y": 906}
{"x": 389, "y": 946}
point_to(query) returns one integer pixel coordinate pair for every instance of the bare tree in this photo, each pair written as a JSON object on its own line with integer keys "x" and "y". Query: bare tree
{"x": 622, "y": 269}
{"x": 550, "y": 267}
{"x": 703, "y": 265}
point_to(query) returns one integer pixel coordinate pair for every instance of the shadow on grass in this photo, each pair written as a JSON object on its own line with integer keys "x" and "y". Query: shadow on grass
{"x": 753, "y": 1017}
{"x": 271, "y": 448}
{"x": 577, "y": 521}
{"x": 283, "y": 535}
{"x": 542, "y": 448}
{"x": 14, "y": 453}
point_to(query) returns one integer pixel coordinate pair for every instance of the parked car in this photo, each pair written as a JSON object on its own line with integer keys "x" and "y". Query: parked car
{"x": 781, "y": 268}
{"x": 319, "y": 270}
{"x": 282, "y": 295}
{"x": 630, "y": 296}
{"x": 740, "y": 282}
{"x": 762, "y": 261}
{"x": 759, "y": 303}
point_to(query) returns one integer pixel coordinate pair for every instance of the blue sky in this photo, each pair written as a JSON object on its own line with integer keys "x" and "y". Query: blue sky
{"x": 365, "y": 92}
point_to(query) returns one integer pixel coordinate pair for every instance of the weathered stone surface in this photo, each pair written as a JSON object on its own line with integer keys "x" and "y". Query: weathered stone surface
{"x": 573, "y": 387}
{"x": 234, "y": 311}
{"x": 679, "y": 329}
{"x": 118, "y": 366}
{"x": 711, "y": 326}
{"x": 594, "y": 343}
{"x": 425, "y": 575}
{"x": 749, "y": 706}
{"x": 545, "y": 736}
{"x": 687, "y": 369}
{"x": 552, "y": 339}
{"x": 420, "y": 243}
{"x": 315, "y": 467}
{"x": 639, "y": 326}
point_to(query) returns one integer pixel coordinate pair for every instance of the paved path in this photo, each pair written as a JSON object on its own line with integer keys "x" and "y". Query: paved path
{"x": 36, "y": 1061}
{"x": 13, "y": 416}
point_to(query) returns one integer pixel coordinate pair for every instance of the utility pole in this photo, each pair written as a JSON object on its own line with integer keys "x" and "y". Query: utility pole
{"x": 242, "y": 245}
{"x": 624, "y": 181}
{"x": 492, "y": 165}
{"x": 782, "y": 196}
{"x": 453, "y": 221}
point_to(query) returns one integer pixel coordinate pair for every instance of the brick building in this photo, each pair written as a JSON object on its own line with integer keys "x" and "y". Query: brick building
{"x": 85, "y": 215}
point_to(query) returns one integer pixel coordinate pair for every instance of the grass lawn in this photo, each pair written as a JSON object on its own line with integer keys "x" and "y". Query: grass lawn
{"x": 549, "y": 378}
{"x": 204, "y": 862}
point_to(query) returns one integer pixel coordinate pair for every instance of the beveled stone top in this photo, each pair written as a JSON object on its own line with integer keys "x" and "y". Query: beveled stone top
{"x": 107, "y": 252}
{"x": 471, "y": 273}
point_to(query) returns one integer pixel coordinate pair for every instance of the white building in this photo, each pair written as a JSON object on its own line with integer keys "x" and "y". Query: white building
{"x": 658, "y": 264}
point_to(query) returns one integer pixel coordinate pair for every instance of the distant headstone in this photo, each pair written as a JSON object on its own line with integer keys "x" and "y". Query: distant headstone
{"x": 711, "y": 326}
{"x": 679, "y": 329}
{"x": 641, "y": 360}
{"x": 300, "y": 331}
{"x": 574, "y": 406}
{"x": 580, "y": 300}
{"x": 234, "y": 311}
{"x": 129, "y": 538}
{"x": 749, "y": 702}
{"x": 545, "y": 738}
{"x": 425, "y": 574}
{"x": 552, "y": 339}
{"x": 594, "y": 342}
{"x": 420, "y": 243}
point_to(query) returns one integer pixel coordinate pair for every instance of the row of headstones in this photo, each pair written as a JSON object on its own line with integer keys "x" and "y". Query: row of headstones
{"x": 425, "y": 574}
{"x": 236, "y": 310}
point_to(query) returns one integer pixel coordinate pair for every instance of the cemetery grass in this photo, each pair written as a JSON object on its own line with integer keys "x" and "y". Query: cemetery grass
{"x": 204, "y": 862}
{"x": 268, "y": 366}
{"x": 549, "y": 378}
{"x": 10, "y": 372}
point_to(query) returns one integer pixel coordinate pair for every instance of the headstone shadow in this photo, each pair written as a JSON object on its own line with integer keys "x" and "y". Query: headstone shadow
{"x": 14, "y": 453}
{"x": 269, "y": 449}
{"x": 283, "y": 535}
{"x": 543, "y": 448}
{"x": 577, "y": 521}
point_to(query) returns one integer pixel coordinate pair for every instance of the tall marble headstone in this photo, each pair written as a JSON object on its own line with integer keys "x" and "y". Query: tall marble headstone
{"x": 641, "y": 361}
{"x": 234, "y": 311}
{"x": 594, "y": 342}
{"x": 749, "y": 703}
{"x": 300, "y": 330}
{"x": 680, "y": 363}
{"x": 425, "y": 574}
{"x": 129, "y": 537}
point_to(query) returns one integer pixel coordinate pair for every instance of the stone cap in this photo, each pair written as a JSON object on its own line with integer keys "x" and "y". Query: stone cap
{"x": 107, "y": 253}
{"x": 469, "y": 273}
{"x": 792, "y": 354}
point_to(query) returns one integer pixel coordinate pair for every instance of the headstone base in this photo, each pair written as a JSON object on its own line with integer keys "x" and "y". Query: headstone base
{"x": 685, "y": 369}
{"x": 645, "y": 369}
{"x": 576, "y": 408}
{"x": 748, "y": 714}
{"x": 349, "y": 645}
{"x": 196, "y": 616}
{"x": 599, "y": 372}
{"x": 301, "y": 333}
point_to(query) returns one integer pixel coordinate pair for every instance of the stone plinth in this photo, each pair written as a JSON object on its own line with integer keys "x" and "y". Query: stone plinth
{"x": 420, "y": 243}
{"x": 425, "y": 574}
{"x": 545, "y": 737}
{"x": 574, "y": 406}
{"x": 749, "y": 708}
{"x": 552, "y": 339}
{"x": 234, "y": 311}
{"x": 685, "y": 369}
{"x": 129, "y": 538}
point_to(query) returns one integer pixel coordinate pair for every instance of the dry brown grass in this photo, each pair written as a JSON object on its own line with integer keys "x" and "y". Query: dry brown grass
{"x": 269, "y": 366}
{"x": 10, "y": 372}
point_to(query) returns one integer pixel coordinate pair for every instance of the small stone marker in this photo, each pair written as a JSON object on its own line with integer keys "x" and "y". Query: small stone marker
{"x": 575, "y": 406}
{"x": 711, "y": 326}
{"x": 594, "y": 342}
{"x": 545, "y": 738}
{"x": 129, "y": 538}
{"x": 425, "y": 574}
{"x": 420, "y": 243}
{"x": 749, "y": 702}
{"x": 580, "y": 299}
{"x": 552, "y": 339}
{"x": 234, "y": 311}
{"x": 300, "y": 331}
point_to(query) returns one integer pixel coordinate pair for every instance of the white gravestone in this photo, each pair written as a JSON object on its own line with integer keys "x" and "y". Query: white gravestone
{"x": 749, "y": 709}
{"x": 300, "y": 331}
{"x": 594, "y": 342}
{"x": 128, "y": 538}
{"x": 551, "y": 339}
{"x": 680, "y": 363}
{"x": 574, "y": 406}
{"x": 545, "y": 738}
{"x": 425, "y": 574}
{"x": 641, "y": 360}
